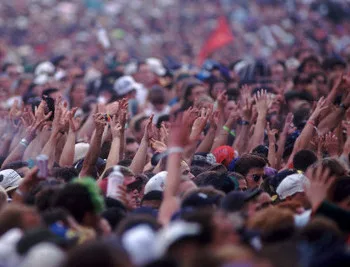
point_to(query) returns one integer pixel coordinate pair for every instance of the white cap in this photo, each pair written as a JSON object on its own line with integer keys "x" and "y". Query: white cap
{"x": 43, "y": 255}
{"x": 60, "y": 74}
{"x": 125, "y": 85}
{"x": 41, "y": 79}
{"x": 156, "y": 183}
{"x": 156, "y": 66}
{"x": 45, "y": 67}
{"x": 291, "y": 185}
{"x": 80, "y": 151}
{"x": 174, "y": 232}
{"x": 9, "y": 179}
{"x": 136, "y": 240}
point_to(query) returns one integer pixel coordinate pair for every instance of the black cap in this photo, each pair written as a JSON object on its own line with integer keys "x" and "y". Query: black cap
{"x": 199, "y": 200}
{"x": 234, "y": 201}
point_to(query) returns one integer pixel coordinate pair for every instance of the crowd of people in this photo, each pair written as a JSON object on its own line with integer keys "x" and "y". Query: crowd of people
{"x": 118, "y": 149}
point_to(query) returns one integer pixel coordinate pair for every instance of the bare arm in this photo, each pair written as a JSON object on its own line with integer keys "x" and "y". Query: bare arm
{"x": 282, "y": 140}
{"x": 139, "y": 161}
{"x": 262, "y": 104}
{"x": 179, "y": 133}
{"x": 95, "y": 147}
{"x": 272, "y": 146}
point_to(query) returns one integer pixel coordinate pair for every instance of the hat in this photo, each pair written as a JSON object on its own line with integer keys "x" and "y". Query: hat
{"x": 136, "y": 240}
{"x": 153, "y": 195}
{"x": 8, "y": 253}
{"x": 199, "y": 199}
{"x": 224, "y": 154}
{"x": 235, "y": 200}
{"x": 125, "y": 85}
{"x": 156, "y": 66}
{"x": 45, "y": 67}
{"x": 292, "y": 184}
{"x": 41, "y": 79}
{"x": 175, "y": 232}
{"x": 9, "y": 179}
{"x": 157, "y": 182}
{"x": 80, "y": 151}
{"x": 44, "y": 254}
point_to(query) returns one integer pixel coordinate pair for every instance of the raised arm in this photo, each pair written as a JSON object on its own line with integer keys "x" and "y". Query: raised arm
{"x": 262, "y": 101}
{"x": 139, "y": 161}
{"x": 95, "y": 146}
{"x": 67, "y": 156}
{"x": 282, "y": 139}
{"x": 208, "y": 141}
{"x": 179, "y": 138}
{"x": 271, "y": 133}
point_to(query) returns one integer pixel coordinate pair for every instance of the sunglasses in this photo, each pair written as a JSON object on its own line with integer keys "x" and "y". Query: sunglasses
{"x": 257, "y": 177}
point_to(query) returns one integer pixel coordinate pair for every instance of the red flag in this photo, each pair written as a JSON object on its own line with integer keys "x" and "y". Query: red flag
{"x": 220, "y": 37}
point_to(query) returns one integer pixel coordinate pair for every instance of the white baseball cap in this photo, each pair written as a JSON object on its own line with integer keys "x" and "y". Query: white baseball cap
{"x": 174, "y": 232}
{"x": 291, "y": 185}
{"x": 80, "y": 151}
{"x": 125, "y": 85}
{"x": 9, "y": 179}
{"x": 156, "y": 183}
{"x": 156, "y": 66}
{"x": 45, "y": 67}
{"x": 136, "y": 240}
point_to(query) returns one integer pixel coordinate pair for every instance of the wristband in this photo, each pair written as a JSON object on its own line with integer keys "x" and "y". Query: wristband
{"x": 228, "y": 130}
{"x": 24, "y": 142}
{"x": 311, "y": 122}
{"x": 242, "y": 122}
{"x": 173, "y": 150}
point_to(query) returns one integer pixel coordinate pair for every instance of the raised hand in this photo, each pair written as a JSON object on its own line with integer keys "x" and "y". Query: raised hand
{"x": 263, "y": 102}
{"x": 222, "y": 99}
{"x": 116, "y": 127}
{"x": 271, "y": 134}
{"x": 320, "y": 182}
{"x": 100, "y": 122}
{"x": 214, "y": 119}
{"x": 331, "y": 144}
{"x": 199, "y": 124}
{"x": 321, "y": 106}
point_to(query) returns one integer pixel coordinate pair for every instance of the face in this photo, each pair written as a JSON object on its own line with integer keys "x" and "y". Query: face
{"x": 242, "y": 185}
{"x": 255, "y": 177}
{"x": 218, "y": 87}
{"x": 277, "y": 72}
{"x": 131, "y": 149}
{"x": 197, "y": 92}
{"x": 301, "y": 198}
{"x": 145, "y": 75}
{"x": 185, "y": 187}
{"x": 185, "y": 172}
{"x": 231, "y": 105}
{"x": 12, "y": 72}
{"x": 78, "y": 95}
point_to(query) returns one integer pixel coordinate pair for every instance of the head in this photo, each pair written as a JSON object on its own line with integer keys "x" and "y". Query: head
{"x": 18, "y": 216}
{"x": 274, "y": 224}
{"x": 97, "y": 253}
{"x": 242, "y": 182}
{"x": 77, "y": 94}
{"x": 216, "y": 86}
{"x": 138, "y": 125}
{"x": 131, "y": 147}
{"x": 252, "y": 168}
{"x": 339, "y": 192}
{"x": 193, "y": 91}
{"x": 303, "y": 159}
{"x": 292, "y": 189}
{"x": 65, "y": 174}
{"x": 310, "y": 65}
{"x": 231, "y": 105}
{"x": 83, "y": 200}
{"x": 144, "y": 74}
{"x": 185, "y": 171}
{"x": 157, "y": 98}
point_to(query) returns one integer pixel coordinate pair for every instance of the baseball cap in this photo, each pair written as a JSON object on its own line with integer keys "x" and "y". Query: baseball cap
{"x": 224, "y": 154}
{"x": 136, "y": 240}
{"x": 125, "y": 85}
{"x": 235, "y": 200}
{"x": 200, "y": 199}
{"x": 156, "y": 66}
{"x": 156, "y": 183}
{"x": 80, "y": 151}
{"x": 173, "y": 233}
{"x": 291, "y": 184}
{"x": 9, "y": 179}
{"x": 45, "y": 67}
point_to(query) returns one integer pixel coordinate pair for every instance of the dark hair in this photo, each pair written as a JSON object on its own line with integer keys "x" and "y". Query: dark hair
{"x": 340, "y": 189}
{"x": 6, "y": 66}
{"x": 45, "y": 198}
{"x": 76, "y": 199}
{"x": 247, "y": 162}
{"x": 114, "y": 216}
{"x": 196, "y": 170}
{"x": 65, "y": 173}
{"x": 97, "y": 253}
{"x": 156, "y": 95}
{"x": 161, "y": 119}
{"x": 300, "y": 117}
{"x": 130, "y": 140}
{"x": 125, "y": 162}
{"x": 15, "y": 165}
{"x": 212, "y": 84}
{"x": 188, "y": 91}
{"x": 303, "y": 159}
{"x": 49, "y": 91}
{"x": 138, "y": 123}
{"x": 54, "y": 215}
{"x": 220, "y": 182}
